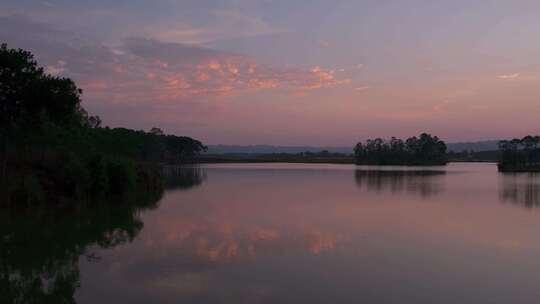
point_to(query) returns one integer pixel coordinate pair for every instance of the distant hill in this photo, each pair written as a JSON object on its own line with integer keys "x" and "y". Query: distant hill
{"x": 487, "y": 145}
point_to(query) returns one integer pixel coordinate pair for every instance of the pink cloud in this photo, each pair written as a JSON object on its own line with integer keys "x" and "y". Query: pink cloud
{"x": 153, "y": 70}
{"x": 362, "y": 88}
{"x": 509, "y": 76}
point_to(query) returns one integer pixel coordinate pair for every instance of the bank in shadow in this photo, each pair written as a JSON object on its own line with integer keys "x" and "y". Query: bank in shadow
{"x": 521, "y": 189}
{"x": 425, "y": 183}
{"x": 183, "y": 177}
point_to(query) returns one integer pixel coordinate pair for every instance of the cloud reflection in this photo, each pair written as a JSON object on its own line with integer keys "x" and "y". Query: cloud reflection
{"x": 209, "y": 244}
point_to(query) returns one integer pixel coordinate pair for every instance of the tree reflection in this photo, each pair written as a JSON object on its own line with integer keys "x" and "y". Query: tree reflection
{"x": 521, "y": 189}
{"x": 40, "y": 248}
{"x": 422, "y": 182}
{"x": 177, "y": 177}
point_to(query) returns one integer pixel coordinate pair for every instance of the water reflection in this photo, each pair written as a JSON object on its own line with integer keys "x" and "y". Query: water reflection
{"x": 422, "y": 182}
{"x": 200, "y": 244}
{"x": 183, "y": 178}
{"x": 40, "y": 249}
{"x": 522, "y": 189}
{"x": 252, "y": 236}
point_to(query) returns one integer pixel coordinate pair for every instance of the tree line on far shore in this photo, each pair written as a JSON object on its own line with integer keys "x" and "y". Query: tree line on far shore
{"x": 518, "y": 154}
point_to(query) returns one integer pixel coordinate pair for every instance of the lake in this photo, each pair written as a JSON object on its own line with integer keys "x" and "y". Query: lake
{"x": 306, "y": 233}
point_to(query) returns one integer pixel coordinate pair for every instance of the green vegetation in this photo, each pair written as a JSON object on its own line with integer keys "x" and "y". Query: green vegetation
{"x": 520, "y": 154}
{"x": 52, "y": 151}
{"x": 423, "y": 150}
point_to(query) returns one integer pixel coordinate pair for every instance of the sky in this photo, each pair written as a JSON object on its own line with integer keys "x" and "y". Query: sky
{"x": 302, "y": 72}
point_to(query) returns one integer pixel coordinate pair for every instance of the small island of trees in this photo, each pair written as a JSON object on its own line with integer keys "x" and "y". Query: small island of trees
{"x": 425, "y": 150}
{"x": 520, "y": 154}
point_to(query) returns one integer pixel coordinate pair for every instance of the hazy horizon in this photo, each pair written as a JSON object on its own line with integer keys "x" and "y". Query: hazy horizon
{"x": 317, "y": 73}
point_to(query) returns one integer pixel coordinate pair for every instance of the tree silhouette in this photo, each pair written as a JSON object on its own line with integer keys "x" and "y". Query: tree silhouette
{"x": 520, "y": 154}
{"x": 27, "y": 94}
{"x": 423, "y": 150}
{"x": 53, "y": 150}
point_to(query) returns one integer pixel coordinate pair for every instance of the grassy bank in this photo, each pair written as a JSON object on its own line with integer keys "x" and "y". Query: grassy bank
{"x": 339, "y": 159}
{"x": 274, "y": 158}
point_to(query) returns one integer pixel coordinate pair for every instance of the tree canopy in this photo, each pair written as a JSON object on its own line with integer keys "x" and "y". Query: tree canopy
{"x": 423, "y": 150}
{"x": 27, "y": 92}
{"x": 51, "y": 146}
{"x": 520, "y": 154}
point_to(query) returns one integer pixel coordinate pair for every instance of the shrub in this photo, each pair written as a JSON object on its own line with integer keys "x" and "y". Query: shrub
{"x": 122, "y": 176}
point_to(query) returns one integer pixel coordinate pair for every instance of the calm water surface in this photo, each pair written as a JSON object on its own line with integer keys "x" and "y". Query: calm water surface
{"x": 299, "y": 233}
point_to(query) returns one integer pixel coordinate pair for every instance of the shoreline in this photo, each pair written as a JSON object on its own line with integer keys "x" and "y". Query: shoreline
{"x": 318, "y": 160}
{"x": 518, "y": 169}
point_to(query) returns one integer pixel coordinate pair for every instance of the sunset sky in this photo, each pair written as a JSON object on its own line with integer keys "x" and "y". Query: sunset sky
{"x": 299, "y": 72}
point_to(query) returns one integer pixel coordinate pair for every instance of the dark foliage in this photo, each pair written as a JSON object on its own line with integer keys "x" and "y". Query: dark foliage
{"x": 520, "y": 154}
{"x": 28, "y": 94}
{"x": 52, "y": 151}
{"x": 422, "y": 150}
